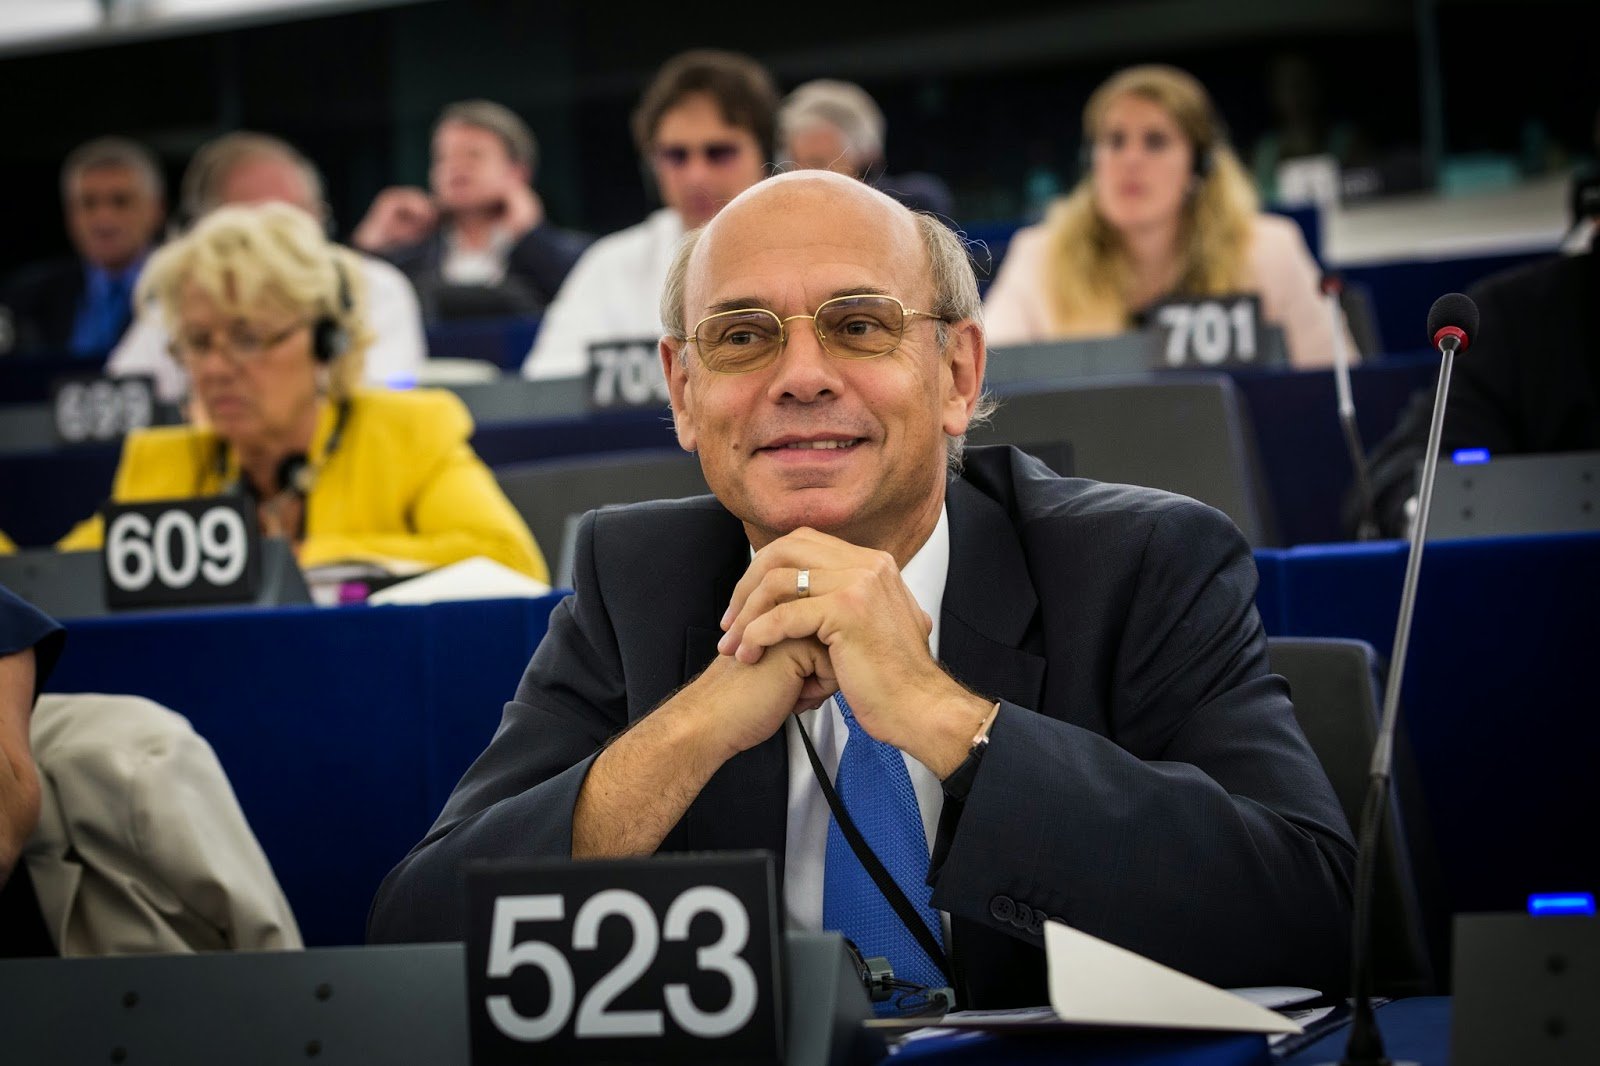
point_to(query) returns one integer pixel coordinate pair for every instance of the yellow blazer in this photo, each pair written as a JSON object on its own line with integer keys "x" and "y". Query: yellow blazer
{"x": 402, "y": 483}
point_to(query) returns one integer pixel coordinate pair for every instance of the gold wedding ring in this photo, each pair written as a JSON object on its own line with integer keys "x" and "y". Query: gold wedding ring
{"x": 802, "y": 584}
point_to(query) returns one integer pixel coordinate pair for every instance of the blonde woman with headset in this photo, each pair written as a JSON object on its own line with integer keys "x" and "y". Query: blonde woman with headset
{"x": 269, "y": 320}
{"x": 1164, "y": 210}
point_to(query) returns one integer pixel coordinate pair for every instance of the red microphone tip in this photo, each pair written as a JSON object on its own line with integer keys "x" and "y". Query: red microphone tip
{"x": 1463, "y": 341}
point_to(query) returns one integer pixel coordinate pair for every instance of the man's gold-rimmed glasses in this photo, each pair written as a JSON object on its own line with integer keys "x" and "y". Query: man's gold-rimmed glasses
{"x": 241, "y": 342}
{"x": 848, "y": 327}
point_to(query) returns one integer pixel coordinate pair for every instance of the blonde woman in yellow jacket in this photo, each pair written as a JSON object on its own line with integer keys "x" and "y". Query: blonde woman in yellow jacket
{"x": 267, "y": 318}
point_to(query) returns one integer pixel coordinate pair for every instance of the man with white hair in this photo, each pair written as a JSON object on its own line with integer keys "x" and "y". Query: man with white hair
{"x": 1036, "y": 697}
{"x": 834, "y": 125}
{"x": 252, "y": 168}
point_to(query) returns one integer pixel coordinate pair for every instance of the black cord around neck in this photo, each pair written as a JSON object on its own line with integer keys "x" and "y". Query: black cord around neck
{"x": 903, "y": 908}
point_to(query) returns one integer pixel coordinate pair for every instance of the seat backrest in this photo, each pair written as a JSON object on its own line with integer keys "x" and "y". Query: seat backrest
{"x": 551, "y": 495}
{"x": 1335, "y": 687}
{"x": 1184, "y": 433}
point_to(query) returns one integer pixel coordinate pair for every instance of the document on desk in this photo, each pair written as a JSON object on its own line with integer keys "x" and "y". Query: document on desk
{"x": 1097, "y": 984}
{"x": 1093, "y": 982}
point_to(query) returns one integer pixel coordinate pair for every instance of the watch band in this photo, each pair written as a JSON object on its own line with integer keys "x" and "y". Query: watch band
{"x": 959, "y": 784}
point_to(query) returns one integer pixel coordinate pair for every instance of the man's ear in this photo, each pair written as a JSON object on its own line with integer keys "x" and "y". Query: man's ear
{"x": 964, "y": 359}
{"x": 677, "y": 375}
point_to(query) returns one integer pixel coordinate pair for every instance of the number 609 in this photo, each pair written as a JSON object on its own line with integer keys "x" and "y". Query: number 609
{"x": 176, "y": 549}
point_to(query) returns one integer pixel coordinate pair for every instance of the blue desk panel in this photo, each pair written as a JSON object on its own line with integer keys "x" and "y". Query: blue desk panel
{"x": 343, "y": 730}
{"x": 1500, "y": 699}
{"x": 1414, "y": 1030}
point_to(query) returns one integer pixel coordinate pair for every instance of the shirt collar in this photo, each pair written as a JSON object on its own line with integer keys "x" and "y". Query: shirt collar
{"x": 927, "y": 571}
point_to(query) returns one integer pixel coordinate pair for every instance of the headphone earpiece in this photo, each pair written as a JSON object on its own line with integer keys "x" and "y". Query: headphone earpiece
{"x": 1205, "y": 156}
{"x": 329, "y": 338}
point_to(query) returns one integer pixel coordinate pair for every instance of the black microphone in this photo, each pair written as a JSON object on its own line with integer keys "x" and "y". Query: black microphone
{"x": 1366, "y": 525}
{"x": 1452, "y": 322}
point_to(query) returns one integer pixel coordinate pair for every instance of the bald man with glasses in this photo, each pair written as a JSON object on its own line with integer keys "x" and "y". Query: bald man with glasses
{"x": 1035, "y": 697}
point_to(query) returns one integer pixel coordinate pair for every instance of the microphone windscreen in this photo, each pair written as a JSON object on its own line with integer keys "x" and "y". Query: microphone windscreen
{"x": 1453, "y": 309}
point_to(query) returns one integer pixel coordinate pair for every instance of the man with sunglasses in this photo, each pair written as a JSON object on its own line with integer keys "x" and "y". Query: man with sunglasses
{"x": 706, "y": 127}
{"x": 1034, "y": 697}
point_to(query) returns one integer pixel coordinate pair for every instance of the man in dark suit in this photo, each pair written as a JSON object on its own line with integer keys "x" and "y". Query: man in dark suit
{"x": 1529, "y": 383}
{"x": 1053, "y": 694}
{"x": 112, "y": 194}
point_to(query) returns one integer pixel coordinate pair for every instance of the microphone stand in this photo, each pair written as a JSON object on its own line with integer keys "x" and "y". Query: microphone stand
{"x": 1365, "y": 1046}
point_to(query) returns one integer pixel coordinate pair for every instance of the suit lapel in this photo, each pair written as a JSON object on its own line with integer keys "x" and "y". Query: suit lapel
{"x": 988, "y": 625}
{"x": 746, "y": 803}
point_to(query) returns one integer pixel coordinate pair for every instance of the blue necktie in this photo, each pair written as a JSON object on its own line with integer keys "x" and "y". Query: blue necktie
{"x": 875, "y": 788}
{"x": 101, "y": 317}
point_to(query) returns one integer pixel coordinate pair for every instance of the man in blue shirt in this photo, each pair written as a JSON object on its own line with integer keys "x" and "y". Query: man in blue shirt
{"x": 113, "y": 199}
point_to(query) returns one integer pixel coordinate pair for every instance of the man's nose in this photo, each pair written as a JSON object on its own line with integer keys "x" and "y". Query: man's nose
{"x": 804, "y": 370}
{"x": 697, "y": 169}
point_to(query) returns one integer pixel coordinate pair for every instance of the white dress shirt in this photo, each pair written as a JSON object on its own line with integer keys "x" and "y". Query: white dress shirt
{"x": 806, "y": 842}
{"x": 475, "y": 266}
{"x": 612, "y": 294}
{"x": 397, "y": 352}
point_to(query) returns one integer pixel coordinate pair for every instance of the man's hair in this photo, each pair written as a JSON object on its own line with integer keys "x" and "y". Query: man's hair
{"x": 201, "y": 190}
{"x": 955, "y": 299}
{"x": 500, "y": 121}
{"x": 113, "y": 152}
{"x": 245, "y": 255}
{"x": 741, "y": 87}
{"x": 843, "y": 105}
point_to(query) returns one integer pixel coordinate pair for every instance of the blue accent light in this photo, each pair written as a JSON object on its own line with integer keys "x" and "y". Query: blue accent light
{"x": 1469, "y": 456}
{"x": 1545, "y": 904}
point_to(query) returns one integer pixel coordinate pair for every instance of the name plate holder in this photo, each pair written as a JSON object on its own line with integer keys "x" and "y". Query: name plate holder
{"x": 171, "y": 553}
{"x": 1210, "y": 332}
{"x": 625, "y": 375}
{"x": 91, "y": 409}
{"x": 676, "y": 958}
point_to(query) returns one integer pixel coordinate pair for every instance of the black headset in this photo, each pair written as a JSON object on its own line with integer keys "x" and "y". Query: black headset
{"x": 329, "y": 338}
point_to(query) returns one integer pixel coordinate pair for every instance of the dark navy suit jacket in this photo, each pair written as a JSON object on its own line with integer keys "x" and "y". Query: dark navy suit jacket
{"x": 1145, "y": 782}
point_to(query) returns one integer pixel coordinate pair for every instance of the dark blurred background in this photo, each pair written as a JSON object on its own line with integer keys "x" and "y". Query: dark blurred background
{"x": 1430, "y": 93}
